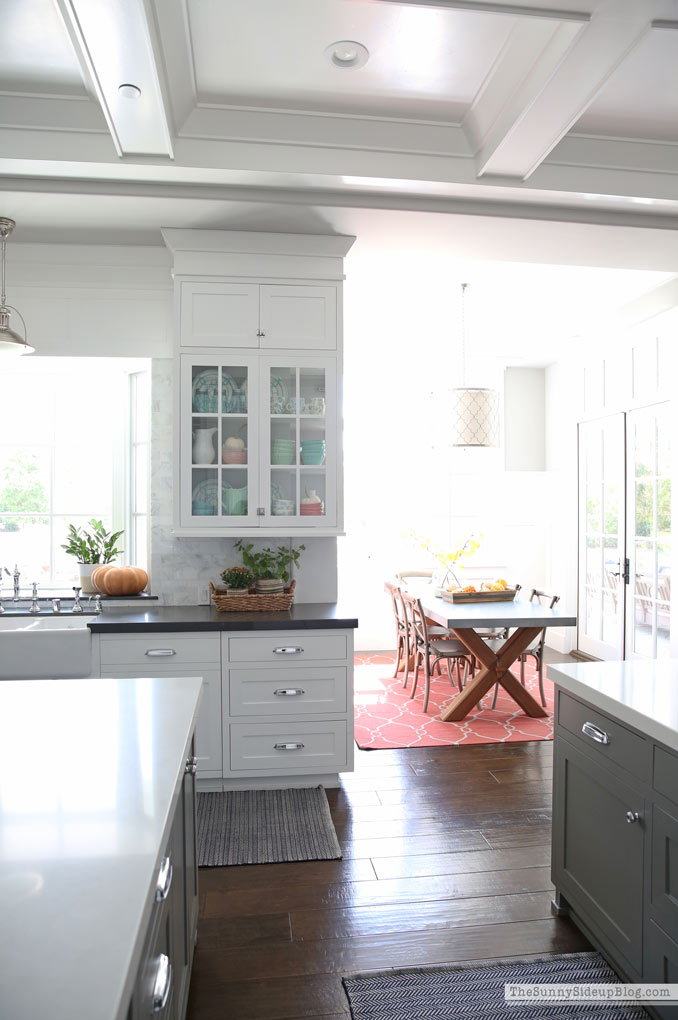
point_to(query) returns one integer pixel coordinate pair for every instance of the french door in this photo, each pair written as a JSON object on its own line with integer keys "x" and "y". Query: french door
{"x": 625, "y": 468}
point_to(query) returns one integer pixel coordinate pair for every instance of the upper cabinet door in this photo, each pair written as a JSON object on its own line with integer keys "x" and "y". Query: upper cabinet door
{"x": 298, "y": 318}
{"x": 219, "y": 314}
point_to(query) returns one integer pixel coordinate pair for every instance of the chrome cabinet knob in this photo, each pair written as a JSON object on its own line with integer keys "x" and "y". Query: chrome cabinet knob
{"x": 632, "y": 816}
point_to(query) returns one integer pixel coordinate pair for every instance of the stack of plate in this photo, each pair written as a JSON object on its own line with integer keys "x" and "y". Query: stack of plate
{"x": 312, "y": 509}
{"x": 312, "y": 451}
{"x": 282, "y": 507}
{"x": 283, "y": 451}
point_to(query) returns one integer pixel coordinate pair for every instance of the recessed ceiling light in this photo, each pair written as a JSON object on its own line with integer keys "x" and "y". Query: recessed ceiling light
{"x": 128, "y": 91}
{"x": 347, "y": 53}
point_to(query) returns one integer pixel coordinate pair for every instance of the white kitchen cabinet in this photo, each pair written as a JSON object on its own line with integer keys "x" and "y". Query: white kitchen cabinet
{"x": 182, "y": 654}
{"x": 218, "y": 314}
{"x": 239, "y": 297}
{"x": 288, "y": 707}
{"x": 259, "y": 444}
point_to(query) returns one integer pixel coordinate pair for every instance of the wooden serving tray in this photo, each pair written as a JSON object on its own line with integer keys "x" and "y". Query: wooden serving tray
{"x": 508, "y": 595}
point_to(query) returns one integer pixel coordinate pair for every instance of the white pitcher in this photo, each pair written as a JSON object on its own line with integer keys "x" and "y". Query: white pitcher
{"x": 203, "y": 448}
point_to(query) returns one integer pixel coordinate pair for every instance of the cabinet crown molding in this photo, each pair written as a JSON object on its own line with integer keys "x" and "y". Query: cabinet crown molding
{"x": 256, "y": 242}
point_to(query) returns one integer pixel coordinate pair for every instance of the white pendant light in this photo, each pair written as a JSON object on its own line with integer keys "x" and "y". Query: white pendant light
{"x": 475, "y": 410}
{"x": 11, "y": 342}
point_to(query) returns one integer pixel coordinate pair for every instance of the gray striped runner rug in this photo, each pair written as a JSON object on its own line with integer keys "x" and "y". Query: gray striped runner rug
{"x": 265, "y": 827}
{"x": 475, "y": 991}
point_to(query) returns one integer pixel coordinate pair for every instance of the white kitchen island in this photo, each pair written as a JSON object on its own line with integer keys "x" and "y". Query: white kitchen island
{"x": 97, "y": 847}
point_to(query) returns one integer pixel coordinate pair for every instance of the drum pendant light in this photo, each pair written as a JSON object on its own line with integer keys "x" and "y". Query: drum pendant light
{"x": 11, "y": 342}
{"x": 475, "y": 410}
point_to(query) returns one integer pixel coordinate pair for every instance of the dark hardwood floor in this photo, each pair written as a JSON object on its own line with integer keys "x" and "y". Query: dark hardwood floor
{"x": 446, "y": 858}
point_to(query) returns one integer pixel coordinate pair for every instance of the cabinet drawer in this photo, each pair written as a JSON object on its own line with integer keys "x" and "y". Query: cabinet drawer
{"x": 160, "y": 649}
{"x": 307, "y": 689}
{"x": 313, "y": 746}
{"x": 615, "y": 742}
{"x": 665, "y": 774}
{"x": 294, "y": 647}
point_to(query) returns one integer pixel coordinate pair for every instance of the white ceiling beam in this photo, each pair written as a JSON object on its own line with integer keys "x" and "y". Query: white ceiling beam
{"x": 493, "y": 7}
{"x": 114, "y": 42}
{"x": 519, "y": 117}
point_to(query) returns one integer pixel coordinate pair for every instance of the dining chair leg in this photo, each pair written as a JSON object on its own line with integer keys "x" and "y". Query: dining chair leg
{"x": 522, "y": 670}
{"x": 407, "y": 654}
{"x": 427, "y": 680}
{"x": 415, "y": 673}
{"x": 541, "y": 680}
{"x": 494, "y": 696}
{"x": 399, "y": 653}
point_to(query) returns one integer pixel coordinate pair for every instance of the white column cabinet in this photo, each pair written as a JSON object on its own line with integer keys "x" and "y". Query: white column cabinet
{"x": 259, "y": 359}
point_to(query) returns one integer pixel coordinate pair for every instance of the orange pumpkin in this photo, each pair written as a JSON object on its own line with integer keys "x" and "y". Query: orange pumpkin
{"x": 99, "y": 572}
{"x": 113, "y": 580}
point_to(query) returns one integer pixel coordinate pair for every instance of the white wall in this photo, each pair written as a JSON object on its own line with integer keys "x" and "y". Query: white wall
{"x": 402, "y": 344}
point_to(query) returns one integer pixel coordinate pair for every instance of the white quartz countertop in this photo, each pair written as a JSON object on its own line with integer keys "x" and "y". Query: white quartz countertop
{"x": 640, "y": 692}
{"x": 89, "y": 774}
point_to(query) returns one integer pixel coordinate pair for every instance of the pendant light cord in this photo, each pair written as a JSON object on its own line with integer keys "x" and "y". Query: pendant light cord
{"x": 4, "y": 249}
{"x": 463, "y": 333}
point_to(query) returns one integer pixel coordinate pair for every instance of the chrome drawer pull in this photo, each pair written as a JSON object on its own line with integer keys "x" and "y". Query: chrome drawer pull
{"x": 162, "y": 984}
{"x": 289, "y": 691}
{"x": 287, "y": 651}
{"x": 160, "y": 651}
{"x": 288, "y": 747}
{"x": 164, "y": 880}
{"x": 600, "y": 736}
{"x": 191, "y": 766}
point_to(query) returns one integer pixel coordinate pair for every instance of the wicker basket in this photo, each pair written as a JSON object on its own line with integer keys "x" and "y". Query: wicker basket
{"x": 248, "y": 602}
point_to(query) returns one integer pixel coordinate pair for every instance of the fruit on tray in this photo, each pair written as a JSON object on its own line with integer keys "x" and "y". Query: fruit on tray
{"x": 498, "y": 585}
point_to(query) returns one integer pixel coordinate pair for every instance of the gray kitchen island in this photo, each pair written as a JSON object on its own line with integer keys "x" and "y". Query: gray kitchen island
{"x": 615, "y": 813}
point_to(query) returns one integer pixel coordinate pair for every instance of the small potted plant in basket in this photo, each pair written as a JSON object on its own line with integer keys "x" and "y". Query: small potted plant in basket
{"x": 270, "y": 567}
{"x": 237, "y": 578}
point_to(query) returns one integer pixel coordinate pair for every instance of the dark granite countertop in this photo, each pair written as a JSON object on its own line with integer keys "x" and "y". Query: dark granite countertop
{"x": 163, "y": 619}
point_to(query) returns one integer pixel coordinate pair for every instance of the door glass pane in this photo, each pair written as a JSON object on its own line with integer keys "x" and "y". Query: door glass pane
{"x": 601, "y": 594}
{"x": 650, "y": 528}
{"x": 219, "y": 440}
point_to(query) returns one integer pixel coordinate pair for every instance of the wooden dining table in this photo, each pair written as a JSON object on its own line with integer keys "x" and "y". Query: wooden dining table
{"x": 524, "y": 619}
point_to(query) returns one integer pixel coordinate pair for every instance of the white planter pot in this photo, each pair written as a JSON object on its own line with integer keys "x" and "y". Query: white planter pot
{"x": 86, "y": 577}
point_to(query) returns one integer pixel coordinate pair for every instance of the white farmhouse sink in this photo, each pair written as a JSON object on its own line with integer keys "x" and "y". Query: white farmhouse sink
{"x": 44, "y": 647}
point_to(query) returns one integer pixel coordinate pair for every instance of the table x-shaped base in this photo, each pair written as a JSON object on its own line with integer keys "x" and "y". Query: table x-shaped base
{"x": 495, "y": 670}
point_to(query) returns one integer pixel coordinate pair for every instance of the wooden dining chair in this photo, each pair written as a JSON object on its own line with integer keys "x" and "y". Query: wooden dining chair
{"x": 535, "y": 650}
{"x": 403, "y": 652}
{"x": 429, "y": 652}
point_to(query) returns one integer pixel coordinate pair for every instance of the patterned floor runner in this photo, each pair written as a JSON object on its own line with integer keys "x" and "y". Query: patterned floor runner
{"x": 475, "y": 991}
{"x": 385, "y": 716}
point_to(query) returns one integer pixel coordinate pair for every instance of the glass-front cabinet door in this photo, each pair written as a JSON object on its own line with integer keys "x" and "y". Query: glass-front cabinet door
{"x": 299, "y": 461}
{"x": 219, "y": 440}
{"x": 258, "y": 443}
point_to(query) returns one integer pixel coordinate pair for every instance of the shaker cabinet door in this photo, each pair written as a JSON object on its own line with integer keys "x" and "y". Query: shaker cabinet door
{"x": 295, "y": 317}
{"x": 597, "y": 854}
{"x": 219, "y": 314}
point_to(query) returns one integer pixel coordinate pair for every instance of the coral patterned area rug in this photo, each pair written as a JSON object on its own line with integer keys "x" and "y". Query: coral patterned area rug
{"x": 385, "y": 716}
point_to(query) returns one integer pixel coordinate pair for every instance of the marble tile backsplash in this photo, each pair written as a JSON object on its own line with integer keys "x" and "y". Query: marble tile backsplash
{"x": 182, "y": 567}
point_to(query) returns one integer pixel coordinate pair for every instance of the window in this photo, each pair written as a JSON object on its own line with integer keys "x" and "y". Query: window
{"x": 73, "y": 446}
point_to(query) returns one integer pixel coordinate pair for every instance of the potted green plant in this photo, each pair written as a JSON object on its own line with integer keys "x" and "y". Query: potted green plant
{"x": 270, "y": 567}
{"x": 91, "y": 545}
{"x": 237, "y": 578}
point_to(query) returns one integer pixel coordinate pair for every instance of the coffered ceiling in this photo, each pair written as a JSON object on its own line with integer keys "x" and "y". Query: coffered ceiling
{"x": 569, "y": 107}
{"x": 542, "y": 132}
